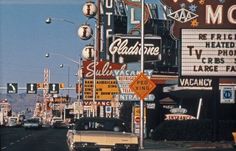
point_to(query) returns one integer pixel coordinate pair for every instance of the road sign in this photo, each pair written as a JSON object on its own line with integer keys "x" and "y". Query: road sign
{"x": 31, "y": 88}
{"x": 40, "y": 85}
{"x": 227, "y": 94}
{"x": 142, "y": 86}
{"x": 53, "y": 88}
{"x": 12, "y": 88}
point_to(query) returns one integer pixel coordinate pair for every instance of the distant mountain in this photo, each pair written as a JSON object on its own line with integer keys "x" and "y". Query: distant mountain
{"x": 23, "y": 101}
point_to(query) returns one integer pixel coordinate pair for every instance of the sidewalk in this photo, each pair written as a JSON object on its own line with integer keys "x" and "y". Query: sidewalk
{"x": 150, "y": 145}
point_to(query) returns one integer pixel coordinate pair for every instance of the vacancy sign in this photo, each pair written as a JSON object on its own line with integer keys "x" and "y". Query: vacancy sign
{"x": 142, "y": 86}
{"x": 208, "y": 52}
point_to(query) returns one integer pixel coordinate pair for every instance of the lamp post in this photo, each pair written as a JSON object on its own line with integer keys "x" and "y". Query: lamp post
{"x": 47, "y": 55}
{"x": 85, "y": 33}
{"x": 68, "y": 77}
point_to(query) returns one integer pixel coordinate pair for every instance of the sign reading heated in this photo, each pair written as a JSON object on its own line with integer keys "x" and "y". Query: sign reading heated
{"x": 105, "y": 89}
{"x": 208, "y": 52}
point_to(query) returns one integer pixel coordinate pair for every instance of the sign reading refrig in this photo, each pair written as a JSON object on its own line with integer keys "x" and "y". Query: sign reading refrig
{"x": 208, "y": 52}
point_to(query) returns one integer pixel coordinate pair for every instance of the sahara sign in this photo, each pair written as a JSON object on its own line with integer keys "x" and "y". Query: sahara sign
{"x": 104, "y": 69}
{"x": 208, "y": 52}
{"x": 201, "y": 14}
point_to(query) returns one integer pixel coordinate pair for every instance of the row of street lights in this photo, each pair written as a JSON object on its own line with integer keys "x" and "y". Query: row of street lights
{"x": 85, "y": 32}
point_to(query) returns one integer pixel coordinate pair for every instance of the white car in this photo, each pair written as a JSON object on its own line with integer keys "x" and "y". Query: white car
{"x": 32, "y": 123}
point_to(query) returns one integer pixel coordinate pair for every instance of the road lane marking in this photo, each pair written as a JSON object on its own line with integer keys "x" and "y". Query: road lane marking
{"x": 12, "y": 143}
{"x": 3, "y": 148}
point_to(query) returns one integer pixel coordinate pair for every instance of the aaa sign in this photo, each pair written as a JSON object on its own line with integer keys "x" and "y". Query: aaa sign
{"x": 142, "y": 86}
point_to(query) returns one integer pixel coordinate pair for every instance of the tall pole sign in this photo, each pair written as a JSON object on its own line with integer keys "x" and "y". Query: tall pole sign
{"x": 207, "y": 43}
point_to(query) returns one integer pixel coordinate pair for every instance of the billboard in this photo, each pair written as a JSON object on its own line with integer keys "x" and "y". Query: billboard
{"x": 105, "y": 89}
{"x": 201, "y": 14}
{"x": 127, "y": 49}
{"x": 208, "y": 52}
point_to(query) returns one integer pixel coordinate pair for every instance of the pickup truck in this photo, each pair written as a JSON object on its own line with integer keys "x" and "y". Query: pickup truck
{"x": 101, "y": 134}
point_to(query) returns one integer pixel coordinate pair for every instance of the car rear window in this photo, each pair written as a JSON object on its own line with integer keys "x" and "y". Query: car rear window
{"x": 101, "y": 125}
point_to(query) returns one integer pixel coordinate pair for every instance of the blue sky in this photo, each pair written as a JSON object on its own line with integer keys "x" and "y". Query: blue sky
{"x": 25, "y": 38}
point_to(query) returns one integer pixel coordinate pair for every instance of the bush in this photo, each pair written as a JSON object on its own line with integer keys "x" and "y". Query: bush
{"x": 193, "y": 130}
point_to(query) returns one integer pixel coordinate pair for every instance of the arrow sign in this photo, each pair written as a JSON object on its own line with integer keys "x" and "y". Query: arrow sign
{"x": 31, "y": 88}
{"x": 53, "y": 88}
{"x": 12, "y": 88}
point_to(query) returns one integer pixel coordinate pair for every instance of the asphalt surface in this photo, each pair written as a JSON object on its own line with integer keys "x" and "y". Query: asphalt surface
{"x": 48, "y": 139}
{"x": 45, "y": 139}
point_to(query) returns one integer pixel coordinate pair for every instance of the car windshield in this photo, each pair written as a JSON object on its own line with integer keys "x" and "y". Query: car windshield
{"x": 101, "y": 124}
{"x": 32, "y": 120}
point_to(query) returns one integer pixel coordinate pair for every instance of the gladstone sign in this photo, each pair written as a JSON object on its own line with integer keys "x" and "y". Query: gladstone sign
{"x": 128, "y": 48}
{"x": 208, "y": 52}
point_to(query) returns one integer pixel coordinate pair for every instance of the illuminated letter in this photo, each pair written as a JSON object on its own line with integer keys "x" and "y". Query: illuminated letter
{"x": 214, "y": 17}
{"x": 230, "y": 14}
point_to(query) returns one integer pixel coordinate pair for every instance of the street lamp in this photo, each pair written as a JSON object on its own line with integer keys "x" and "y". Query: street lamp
{"x": 85, "y": 33}
{"x": 68, "y": 77}
{"x": 50, "y": 19}
{"x": 47, "y": 55}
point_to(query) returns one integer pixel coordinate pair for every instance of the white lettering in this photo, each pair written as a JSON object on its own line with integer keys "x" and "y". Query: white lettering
{"x": 214, "y": 17}
{"x": 230, "y": 14}
{"x": 133, "y": 21}
{"x": 120, "y": 47}
{"x": 195, "y": 82}
{"x": 109, "y": 18}
{"x": 109, "y": 3}
{"x": 105, "y": 71}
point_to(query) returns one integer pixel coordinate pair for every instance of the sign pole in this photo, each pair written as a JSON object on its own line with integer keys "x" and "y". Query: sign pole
{"x": 216, "y": 96}
{"x": 142, "y": 70}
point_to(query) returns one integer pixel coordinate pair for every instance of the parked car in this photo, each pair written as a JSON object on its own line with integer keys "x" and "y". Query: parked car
{"x": 32, "y": 123}
{"x": 59, "y": 124}
{"x": 101, "y": 134}
{"x": 54, "y": 119}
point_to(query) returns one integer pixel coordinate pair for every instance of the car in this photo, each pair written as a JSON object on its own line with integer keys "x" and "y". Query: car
{"x": 54, "y": 119}
{"x": 32, "y": 123}
{"x": 59, "y": 124}
{"x": 101, "y": 134}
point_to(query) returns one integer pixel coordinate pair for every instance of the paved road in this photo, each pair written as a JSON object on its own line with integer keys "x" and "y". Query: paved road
{"x": 45, "y": 139}
{"x": 48, "y": 139}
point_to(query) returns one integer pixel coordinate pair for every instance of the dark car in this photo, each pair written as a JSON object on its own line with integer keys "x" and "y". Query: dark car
{"x": 59, "y": 124}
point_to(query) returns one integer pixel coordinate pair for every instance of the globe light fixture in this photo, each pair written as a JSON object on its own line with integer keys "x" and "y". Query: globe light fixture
{"x": 89, "y": 9}
{"x": 85, "y": 32}
{"x": 88, "y": 52}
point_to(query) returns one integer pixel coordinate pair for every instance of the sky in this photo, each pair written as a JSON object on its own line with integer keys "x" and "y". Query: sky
{"x": 25, "y": 38}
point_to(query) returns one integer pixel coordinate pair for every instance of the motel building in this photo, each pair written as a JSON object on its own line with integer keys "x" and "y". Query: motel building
{"x": 189, "y": 53}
